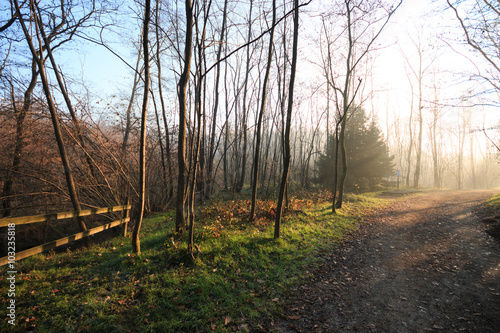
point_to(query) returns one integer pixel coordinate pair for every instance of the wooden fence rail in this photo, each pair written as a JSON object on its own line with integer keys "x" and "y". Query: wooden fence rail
{"x": 65, "y": 215}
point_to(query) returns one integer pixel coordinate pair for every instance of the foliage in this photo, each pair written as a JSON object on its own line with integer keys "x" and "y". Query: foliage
{"x": 240, "y": 275}
{"x": 368, "y": 159}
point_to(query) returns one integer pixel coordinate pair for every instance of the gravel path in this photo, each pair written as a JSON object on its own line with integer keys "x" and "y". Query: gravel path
{"x": 423, "y": 265}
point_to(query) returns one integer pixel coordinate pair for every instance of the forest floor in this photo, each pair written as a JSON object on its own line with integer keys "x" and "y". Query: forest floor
{"x": 426, "y": 263}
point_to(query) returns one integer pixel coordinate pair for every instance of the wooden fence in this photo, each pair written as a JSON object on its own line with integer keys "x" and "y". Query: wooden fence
{"x": 59, "y": 216}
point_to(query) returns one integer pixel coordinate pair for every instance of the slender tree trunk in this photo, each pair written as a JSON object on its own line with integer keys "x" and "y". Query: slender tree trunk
{"x": 261, "y": 115}
{"x": 472, "y": 164}
{"x": 136, "y": 243}
{"x": 309, "y": 155}
{"x": 336, "y": 167}
{"x": 461, "y": 144}
{"x": 198, "y": 113}
{"x": 434, "y": 146}
{"x": 266, "y": 157}
{"x": 210, "y": 175}
{"x": 170, "y": 175}
{"x": 286, "y": 159}
{"x": 345, "y": 108}
{"x": 410, "y": 129}
{"x": 128, "y": 113}
{"x": 226, "y": 130}
{"x": 343, "y": 156}
{"x": 181, "y": 150}
{"x": 162, "y": 151}
{"x": 416, "y": 181}
{"x": 244, "y": 129}
{"x": 435, "y": 158}
{"x": 195, "y": 157}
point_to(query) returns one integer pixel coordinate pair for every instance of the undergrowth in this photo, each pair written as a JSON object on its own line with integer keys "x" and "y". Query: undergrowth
{"x": 240, "y": 275}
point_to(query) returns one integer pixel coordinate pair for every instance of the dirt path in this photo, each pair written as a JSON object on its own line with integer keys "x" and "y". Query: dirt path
{"x": 425, "y": 264}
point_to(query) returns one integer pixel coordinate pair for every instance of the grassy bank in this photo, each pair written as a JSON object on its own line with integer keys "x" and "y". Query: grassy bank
{"x": 493, "y": 203}
{"x": 241, "y": 274}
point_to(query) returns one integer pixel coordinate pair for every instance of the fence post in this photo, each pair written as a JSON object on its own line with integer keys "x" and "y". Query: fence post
{"x": 127, "y": 214}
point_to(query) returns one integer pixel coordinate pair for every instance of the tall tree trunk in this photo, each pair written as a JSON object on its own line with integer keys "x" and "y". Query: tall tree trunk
{"x": 261, "y": 115}
{"x": 198, "y": 113}
{"x": 345, "y": 107}
{"x": 162, "y": 152}
{"x": 244, "y": 129}
{"x": 435, "y": 156}
{"x": 181, "y": 150}
{"x": 461, "y": 144}
{"x": 410, "y": 129}
{"x": 343, "y": 158}
{"x": 266, "y": 157}
{"x": 170, "y": 177}
{"x": 472, "y": 164}
{"x": 212, "y": 150}
{"x": 226, "y": 130}
{"x": 286, "y": 157}
{"x": 416, "y": 181}
{"x": 128, "y": 112}
{"x": 136, "y": 243}
{"x": 336, "y": 167}
{"x": 434, "y": 146}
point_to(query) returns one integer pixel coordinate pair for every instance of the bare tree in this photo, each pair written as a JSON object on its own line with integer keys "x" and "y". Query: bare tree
{"x": 212, "y": 148}
{"x": 286, "y": 143}
{"x": 180, "y": 223}
{"x": 136, "y": 243}
{"x": 436, "y": 117}
{"x": 359, "y": 17}
{"x": 199, "y": 110}
{"x": 38, "y": 56}
{"x": 166, "y": 152}
{"x": 480, "y": 27}
{"x": 255, "y": 178}
{"x": 244, "y": 124}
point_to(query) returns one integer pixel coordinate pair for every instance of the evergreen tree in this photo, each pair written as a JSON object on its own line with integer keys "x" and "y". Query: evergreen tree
{"x": 368, "y": 157}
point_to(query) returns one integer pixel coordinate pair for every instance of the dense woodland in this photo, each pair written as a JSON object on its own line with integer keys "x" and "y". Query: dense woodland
{"x": 264, "y": 98}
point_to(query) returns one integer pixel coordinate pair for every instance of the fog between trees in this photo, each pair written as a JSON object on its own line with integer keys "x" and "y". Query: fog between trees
{"x": 258, "y": 97}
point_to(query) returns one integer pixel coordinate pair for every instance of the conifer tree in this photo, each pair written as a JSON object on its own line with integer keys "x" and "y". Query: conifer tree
{"x": 367, "y": 155}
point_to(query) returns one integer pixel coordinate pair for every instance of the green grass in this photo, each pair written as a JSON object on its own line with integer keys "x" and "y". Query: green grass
{"x": 493, "y": 203}
{"x": 240, "y": 276}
